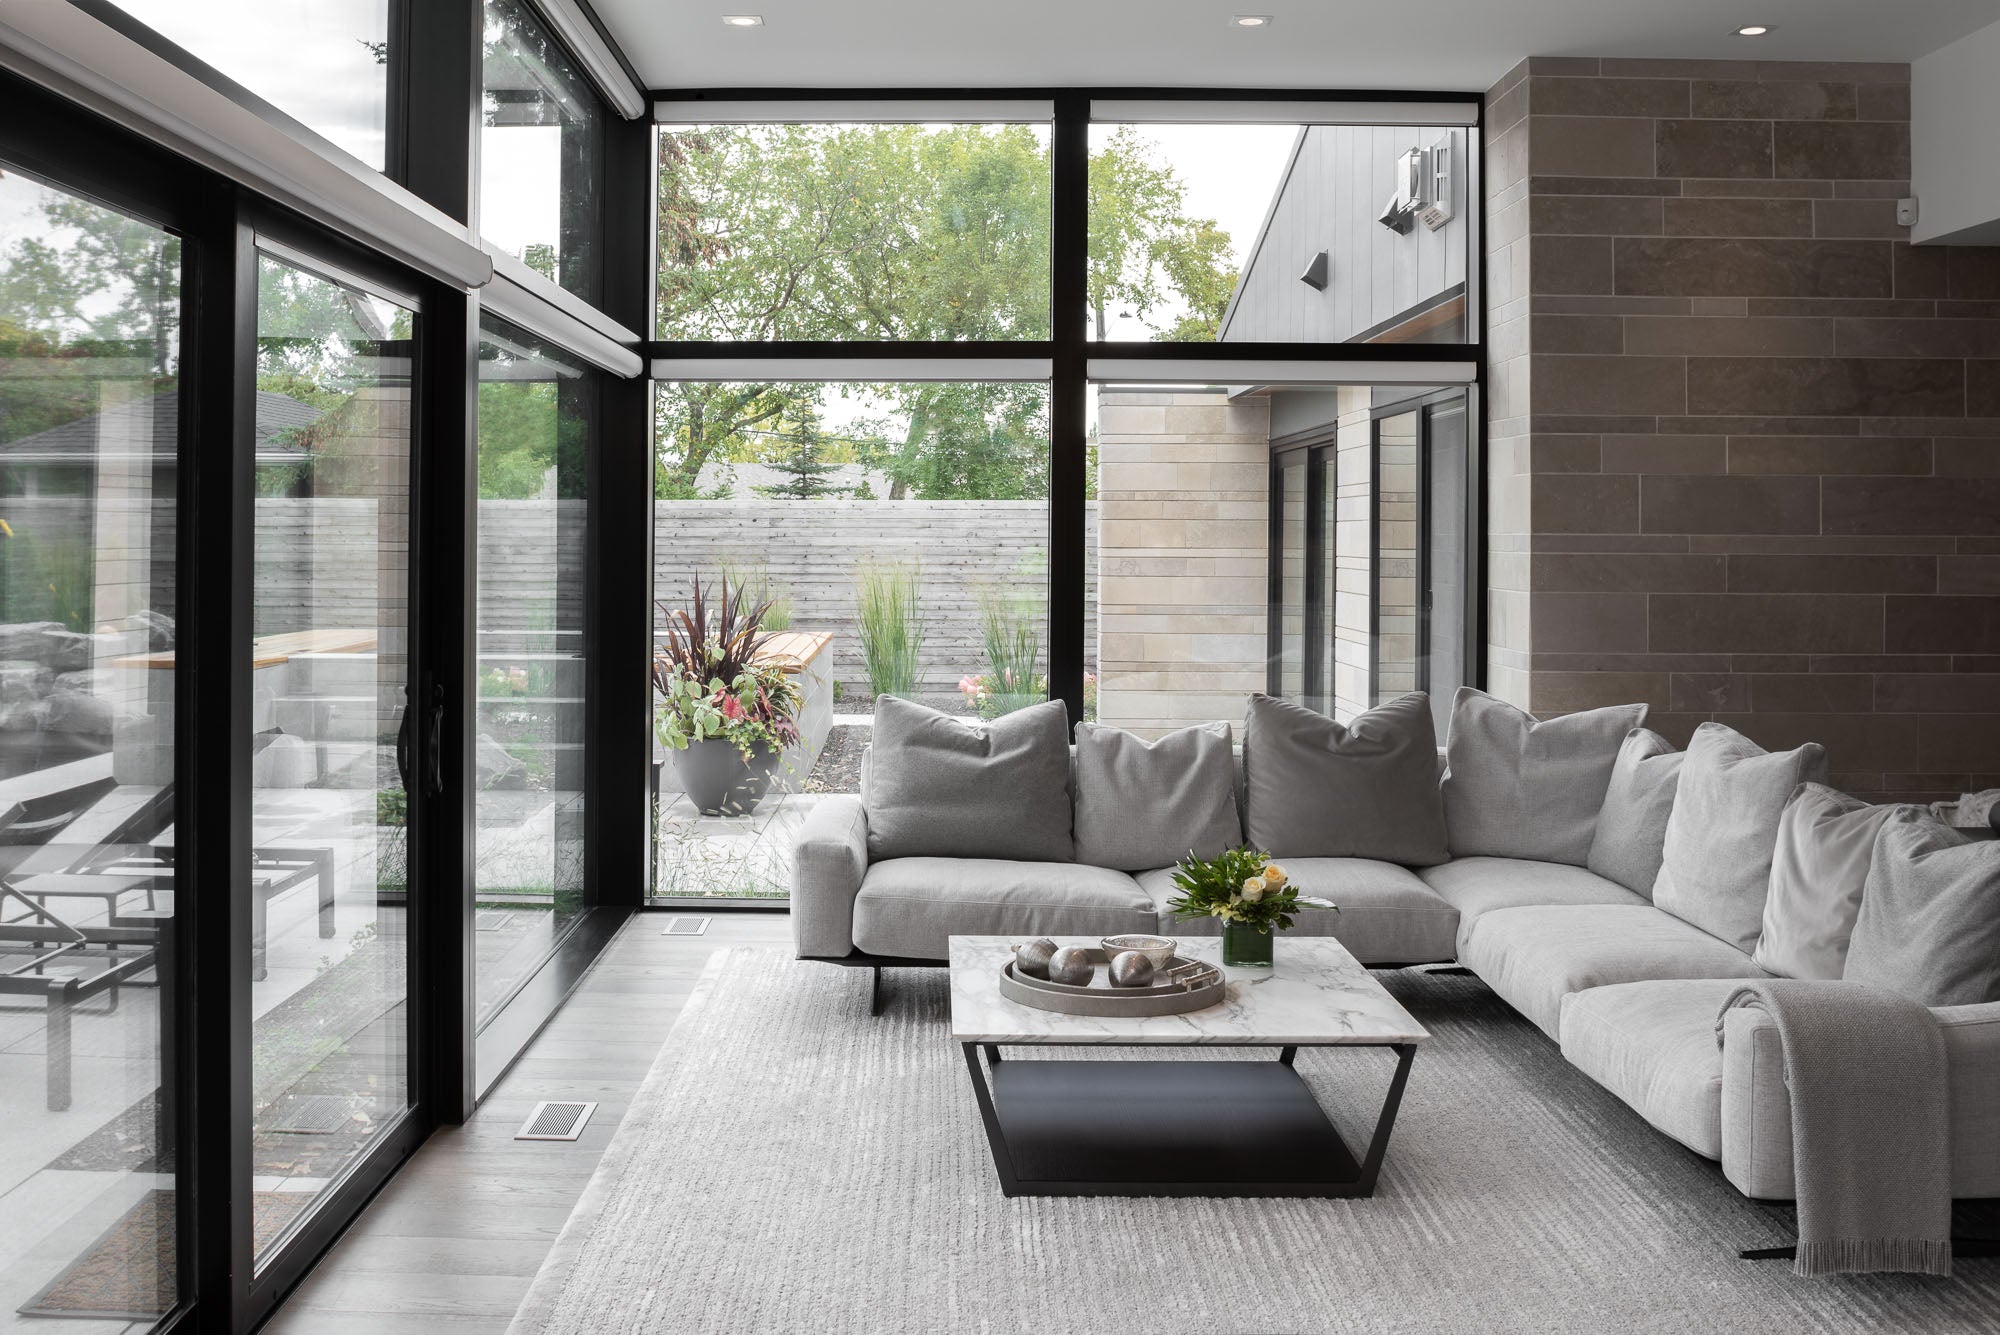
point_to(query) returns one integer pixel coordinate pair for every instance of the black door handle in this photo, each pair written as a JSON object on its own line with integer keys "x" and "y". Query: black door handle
{"x": 403, "y": 749}
{"x": 434, "y": 743}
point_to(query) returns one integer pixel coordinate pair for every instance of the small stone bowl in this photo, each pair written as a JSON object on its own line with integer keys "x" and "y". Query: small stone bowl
{"x": 1158, "y": 949}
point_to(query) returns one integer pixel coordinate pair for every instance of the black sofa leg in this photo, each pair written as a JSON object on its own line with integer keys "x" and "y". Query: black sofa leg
{"x": 875, "y": 990}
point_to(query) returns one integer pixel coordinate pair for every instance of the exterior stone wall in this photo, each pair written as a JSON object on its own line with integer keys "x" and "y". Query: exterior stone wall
{"x": 1744, "y": 446}
{"x": 1182, "y": 576}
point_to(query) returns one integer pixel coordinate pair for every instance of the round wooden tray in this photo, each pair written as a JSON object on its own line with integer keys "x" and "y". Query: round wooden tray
{"x": 1100, "y": 998}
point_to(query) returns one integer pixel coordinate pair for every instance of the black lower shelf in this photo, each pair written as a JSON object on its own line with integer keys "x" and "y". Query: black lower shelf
{"x": 1178, "y": 1128}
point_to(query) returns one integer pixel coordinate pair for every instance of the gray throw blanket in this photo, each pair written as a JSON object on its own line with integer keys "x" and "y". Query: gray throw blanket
{"x": 1871, "y": 1125}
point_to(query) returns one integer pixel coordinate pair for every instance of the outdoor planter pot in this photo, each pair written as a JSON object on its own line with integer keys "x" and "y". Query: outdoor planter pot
{"x": 719, "y": 781}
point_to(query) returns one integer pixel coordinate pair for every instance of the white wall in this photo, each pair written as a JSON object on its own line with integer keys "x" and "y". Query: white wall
{"x": 1955, "y": 140}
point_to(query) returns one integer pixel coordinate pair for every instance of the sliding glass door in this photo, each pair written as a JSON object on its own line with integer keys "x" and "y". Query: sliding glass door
{"x": 92, "y": 1195}
{"x": 332, "y": 758}
{"x": 1368, "y": 566}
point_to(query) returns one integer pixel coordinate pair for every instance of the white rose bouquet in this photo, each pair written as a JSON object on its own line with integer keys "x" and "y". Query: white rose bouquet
{"x": 1242, "y": 886}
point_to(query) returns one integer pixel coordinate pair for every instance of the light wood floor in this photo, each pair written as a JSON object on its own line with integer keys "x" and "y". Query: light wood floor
{"x": 450, "y": 1245}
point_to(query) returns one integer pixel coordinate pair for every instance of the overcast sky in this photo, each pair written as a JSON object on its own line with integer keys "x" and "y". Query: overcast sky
{"x": 305, "y": 57}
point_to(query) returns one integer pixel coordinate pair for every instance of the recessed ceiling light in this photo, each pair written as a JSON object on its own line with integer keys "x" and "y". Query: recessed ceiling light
{"x": 1253, "y": 20}
{"x": 1753, "y": 29}
{"x": 744, "y": 20}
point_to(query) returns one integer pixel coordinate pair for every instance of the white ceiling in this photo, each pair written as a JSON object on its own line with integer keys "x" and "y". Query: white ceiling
{"x": 1413, "y": 44}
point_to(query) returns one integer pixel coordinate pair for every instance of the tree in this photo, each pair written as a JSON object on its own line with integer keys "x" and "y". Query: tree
{"x": 800, "y": 454}
{"x": 901, "y": 232}
{"x": 1144, "y": 249}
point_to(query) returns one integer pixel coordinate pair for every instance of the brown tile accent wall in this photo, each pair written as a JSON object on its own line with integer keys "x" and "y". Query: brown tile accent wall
{"x": 1744, "y": 453}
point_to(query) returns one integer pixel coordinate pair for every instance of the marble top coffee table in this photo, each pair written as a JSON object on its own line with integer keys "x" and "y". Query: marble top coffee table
{"x": 1179, "y": 1127}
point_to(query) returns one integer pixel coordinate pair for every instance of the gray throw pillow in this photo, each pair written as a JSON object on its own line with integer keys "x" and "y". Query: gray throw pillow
{"x": 1141, "y": 804}
{"x": 1716, "y": 866}
{"x": 1930, "y": 918}
{"x": 941, "y": 786}
{"x": 1826, "y": 841}
{"x": 1516, "y": 787}
{"x": 1315, "y": 788}
{"x": 1631, "y": 830}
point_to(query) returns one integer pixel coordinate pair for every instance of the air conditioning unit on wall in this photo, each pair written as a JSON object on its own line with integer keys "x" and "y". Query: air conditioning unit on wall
{"x": 1423, "y": 189}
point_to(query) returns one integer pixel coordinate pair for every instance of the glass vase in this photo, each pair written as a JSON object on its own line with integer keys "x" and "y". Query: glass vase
{"x": 1246, "y": 947}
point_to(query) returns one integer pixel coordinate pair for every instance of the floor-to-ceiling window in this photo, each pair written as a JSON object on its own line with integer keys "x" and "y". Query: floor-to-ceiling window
{"x": 238, "y": 903}
{"x": 1197, "y": 486}
{"x": 894, "y": 527}
{"x": 90, "y": 1183}
{"x": 537, "y": 417}
{"x": 331, "y": 761}
{"x": 540, "y": 151}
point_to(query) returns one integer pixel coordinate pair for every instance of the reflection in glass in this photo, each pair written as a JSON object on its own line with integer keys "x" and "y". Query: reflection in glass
{"x": 1396, "y": 556}
{"x": 539, "y": 198}
{"x": 325, "y": 63}
{"x": 1446, "y": 660}
{"x": 330, "y": 879}
{"x": 1276, "y": 233}
{"x": 854, "y": 232}
{"x": 89, "y": 402}
{"x": 899, "y": 534}
{"x": 535, "y": 416}
{"x": 1292, "y": 581}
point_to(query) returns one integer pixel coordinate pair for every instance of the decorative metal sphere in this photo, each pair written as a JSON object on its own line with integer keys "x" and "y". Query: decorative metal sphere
{"x": 1072, "y": 965}
{"x": 1033, "y": 958}
{"x": 1131, "y": 969}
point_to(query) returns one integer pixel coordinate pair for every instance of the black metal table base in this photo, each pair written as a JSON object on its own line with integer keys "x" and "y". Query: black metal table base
{"x": 1170, "y": 1128}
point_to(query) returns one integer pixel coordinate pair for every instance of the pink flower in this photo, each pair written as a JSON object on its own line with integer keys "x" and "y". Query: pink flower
{"x": 1089, "y": 678}
{"x": 967, "y": 686}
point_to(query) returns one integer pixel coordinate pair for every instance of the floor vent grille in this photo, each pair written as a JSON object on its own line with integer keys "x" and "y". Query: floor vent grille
{"x": 492, "y": 920}
{"x": 685, "y": 927}
{"x": 556, "y": 1120}
{"x": 308, "y": 1115}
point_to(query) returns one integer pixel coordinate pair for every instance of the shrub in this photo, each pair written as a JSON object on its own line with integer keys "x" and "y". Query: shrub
{"x": 1007, "y": 629}
{"x": 891, "y": 625}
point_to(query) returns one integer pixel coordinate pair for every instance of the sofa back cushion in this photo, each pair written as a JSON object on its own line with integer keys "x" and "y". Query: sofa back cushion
{"x": 1631, "y": 832}
{"x": 1518, "y": 787}
{"x": 941, "y": 786}
{"x": 1826, "y": 841}
{"x": 1141, "y": 804}
{"x": 1369, "y": 789}
{"x": 1929, "y": 926}
{"x": 1715, "y": 868}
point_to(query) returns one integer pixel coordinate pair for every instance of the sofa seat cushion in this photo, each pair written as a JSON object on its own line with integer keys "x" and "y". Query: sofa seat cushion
{"x": 1475, "y": 886}
{"x": 908, "y": 906}
{"x": 1386, "y": 915}
{"x": 1653, "y": 1045}
{"x": 1535, "y": 956}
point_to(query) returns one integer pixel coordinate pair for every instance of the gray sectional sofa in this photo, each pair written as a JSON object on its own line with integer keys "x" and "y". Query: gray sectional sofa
{"x": 1627, "y": 972}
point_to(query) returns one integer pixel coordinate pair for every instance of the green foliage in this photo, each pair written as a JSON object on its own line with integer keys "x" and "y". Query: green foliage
{"x": 1242, "y": 886}
{"x": 753, "y": 575}
{"x": 870, "y": 232}
{"x": 392, "y": 807}
{"x": 755, "y": 709}
{"x": 1008, "y": 630}
{"x": 890, "y": 622}
{"x": 709, "y": 678}
{"x": 800, "y": 452}
{"x": 49, "y": 578}
{"x": 1145, "y": 250}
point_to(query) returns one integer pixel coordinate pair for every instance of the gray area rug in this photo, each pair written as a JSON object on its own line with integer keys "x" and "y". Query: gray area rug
{"x": 793, "y": 1165}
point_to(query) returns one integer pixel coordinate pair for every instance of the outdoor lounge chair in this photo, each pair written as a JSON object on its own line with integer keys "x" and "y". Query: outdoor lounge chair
{"x": 62, "y": 960}
{"x": 133, "y": 860}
